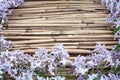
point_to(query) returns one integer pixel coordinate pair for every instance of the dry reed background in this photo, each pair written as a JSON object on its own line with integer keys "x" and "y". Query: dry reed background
{"x": 78, "y": 24}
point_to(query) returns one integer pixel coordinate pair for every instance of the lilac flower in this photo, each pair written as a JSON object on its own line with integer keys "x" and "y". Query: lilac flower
{"x": 28, "y": 75}
{"x": 114, "y": 76}
{"x": 16, "y": 3}
{"x": 91, "y": 64}
{"x": 38, "y": 64}
{"x": 65, "y": 62}
{"x": 17, "y": 62}
{"x": 117, "y": 22}
{"x": 100, "y": 53}
{"x": 80, "y": 65}
{"x": 116, "y": 55}
{"x": 103, "y": 77}
{"x": 110, "y": 76}
{"x": 41, "y": 53}
{"x": 117, "y": 63}
{"x": 1, "y": 24}
{"x": 80, "y": 77}
{"x": 4, "y": 44}
{"x": 58, "y": 56}
{"x": 40, "y": 78}
{"x": 51, "y": 67}
{"x": 92, "y": 76}
{"x": 51, "y": 78}
{"x": 116, "y": 34}
{"x": 5, "y": 6}
{"x": 116, "y": 58}
{"x": 59, "y": 52}
{"x": 114, "y": 7}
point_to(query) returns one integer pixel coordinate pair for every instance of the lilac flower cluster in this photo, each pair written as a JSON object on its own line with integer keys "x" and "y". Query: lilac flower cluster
{"x": 114, "y": 7}
{"x": 22, "y": 66}
{"x": 5, "y": 6}
{"x": 116, "y": 58}
{"x": 98, "y": 56}
{"x": 6, "y": 9}
{"x": 99, "y": 59}
{"x": 104, "y": 77}
{"x": 52, "y": 78}
{"x": 4, "y": 44}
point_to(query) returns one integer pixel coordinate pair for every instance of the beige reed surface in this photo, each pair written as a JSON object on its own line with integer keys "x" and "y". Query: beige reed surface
{"x": 78, "y": 24}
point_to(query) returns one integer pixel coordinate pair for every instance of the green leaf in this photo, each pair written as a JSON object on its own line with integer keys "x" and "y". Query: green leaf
{"x": 38, "y": 73}
{"x": 116, "y": 29}
{"x": 117, "y": 48}
{"x": 0, "y": 21}
{"x": 115, "y": 70}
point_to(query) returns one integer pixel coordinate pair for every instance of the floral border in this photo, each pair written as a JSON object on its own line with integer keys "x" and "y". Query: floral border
{"x": 101, "y": 64}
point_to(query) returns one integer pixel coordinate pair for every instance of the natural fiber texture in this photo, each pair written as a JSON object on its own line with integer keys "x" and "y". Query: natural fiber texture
{"x": 79, "y": 25}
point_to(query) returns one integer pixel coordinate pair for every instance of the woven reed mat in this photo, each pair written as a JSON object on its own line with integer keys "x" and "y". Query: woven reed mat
{"x": 78, "y": 24}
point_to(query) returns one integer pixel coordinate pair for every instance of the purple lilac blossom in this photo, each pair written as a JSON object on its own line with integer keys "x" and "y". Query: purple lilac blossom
{"x": 116, "y": 58}
{"x": 5, "y": 6}
{"x": 52, "y": 78}
{"x": 80, "y": 65}
{"x": 4, "y": 44}
{"x": 110, "y": 76}
{"x": 114, "y": 7}
{"x": 80, "y": 77}
{"x": 26, "y": 65}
